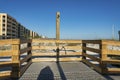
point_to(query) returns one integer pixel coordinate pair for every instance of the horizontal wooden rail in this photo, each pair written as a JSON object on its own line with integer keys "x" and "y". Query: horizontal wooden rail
{"x": 113, "y": 71}
{"x": 54, "y": 54}
{"x": 9, "y": 41}
{"x": 111, "y": 61}
{"x": 5, "y": 53}
{"x": 25, "y": 50}
{"x": 43, "y": 59}
{"x": 25, "y": 59}
{"x": 3, "y": 64}
{"x": 54, "y": 59}
{"x": 114, "y": 52}
{"x": 25, "y": 41}
{"x": 92, "y": 41}
{"x": 110, "y": 42}
{"x": 5, "y": 74}
{"x": 92, "y": 49}
{"x": 54, "y": 47}
{"x": 91, "y": 57}
{"x": 56, "y": 41}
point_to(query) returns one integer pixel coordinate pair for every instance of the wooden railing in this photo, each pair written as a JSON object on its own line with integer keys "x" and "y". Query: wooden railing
{"x": 111, "y": 56}
{"x": 101, "y": 54}
{"x": 17, "y": 55}
{"x": 92, "y": 53}
{"x": 46, "y": 50}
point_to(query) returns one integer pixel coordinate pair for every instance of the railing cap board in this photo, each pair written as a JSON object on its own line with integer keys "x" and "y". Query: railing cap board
{"x": 14, "y": 41}
{"x": 111, "y": 42}
{"x": 9, "y": 41}
{"x": 56, "y": 41}
{"x": 25, "y": 41}
{"x": 92, "y": 41}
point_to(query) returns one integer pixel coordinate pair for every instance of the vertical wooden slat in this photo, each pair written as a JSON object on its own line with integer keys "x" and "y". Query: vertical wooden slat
{"x": 29, "y": 52}
{"x": 103, "y": 56}
{"x": 83, "y": 51}
{"x": 16, "y": 60}
{"x": 27, "y": 58}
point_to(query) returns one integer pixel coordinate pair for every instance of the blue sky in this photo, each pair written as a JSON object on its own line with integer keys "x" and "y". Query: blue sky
{"x": 80, "y": 19}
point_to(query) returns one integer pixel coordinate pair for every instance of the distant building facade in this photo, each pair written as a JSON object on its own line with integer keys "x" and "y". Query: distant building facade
{"x": 119, "y": 35}
{"x": 11, "y": 29}
{"x": 33, "y": 34}
{"x": 8, "y": 27}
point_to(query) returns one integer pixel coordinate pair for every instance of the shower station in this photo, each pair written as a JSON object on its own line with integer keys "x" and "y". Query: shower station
{"x": 58, "y": 36}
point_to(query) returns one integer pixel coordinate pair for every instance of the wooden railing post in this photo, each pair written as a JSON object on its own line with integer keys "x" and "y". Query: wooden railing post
{"x": 103, "y": 56}
{"x": 83, "y": 50}
{"x": 16, "y": 59}
{"x": 29, "y": 44}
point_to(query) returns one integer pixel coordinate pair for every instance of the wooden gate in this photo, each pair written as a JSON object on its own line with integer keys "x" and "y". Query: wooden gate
{"x": 56, "y": 50}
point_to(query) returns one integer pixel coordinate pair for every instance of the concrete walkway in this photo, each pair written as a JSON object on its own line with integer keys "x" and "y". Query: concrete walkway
{"x": 60, "y": 71}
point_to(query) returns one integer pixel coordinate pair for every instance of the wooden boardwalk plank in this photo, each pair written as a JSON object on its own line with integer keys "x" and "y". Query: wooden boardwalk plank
{"x": 60, "y": 71}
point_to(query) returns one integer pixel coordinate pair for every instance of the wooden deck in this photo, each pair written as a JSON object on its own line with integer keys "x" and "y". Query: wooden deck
{"x": 22, "y": 53}
{"x": 60, "y": 71}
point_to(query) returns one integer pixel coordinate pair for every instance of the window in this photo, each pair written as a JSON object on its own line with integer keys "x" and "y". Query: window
{"x": 3, "y": 16}
{"x": 3, "y": 25}
{"x": 3, "y": 29}
{"x": 3, "y": 20}
{"x": 3, "y": 37}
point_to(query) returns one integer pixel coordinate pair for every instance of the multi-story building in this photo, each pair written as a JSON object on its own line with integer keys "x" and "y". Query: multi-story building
{"x": 119, "y": 35}
{"x": 33, "y": 34}
{"x": 10, "y": 28}
{"x": 23, "y": 32}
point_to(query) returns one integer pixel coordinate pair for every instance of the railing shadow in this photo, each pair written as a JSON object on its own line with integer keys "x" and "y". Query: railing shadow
{"x": 46, "y": 74}
{"x": 62, "y": 75}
